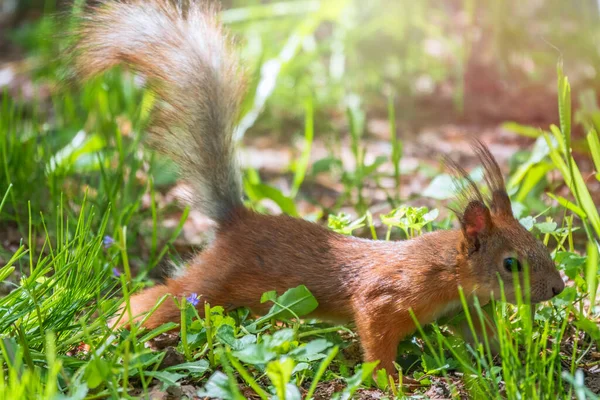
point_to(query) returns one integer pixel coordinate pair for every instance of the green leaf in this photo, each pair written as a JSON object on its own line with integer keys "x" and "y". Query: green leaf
{"x": 594, "y": 143}
{"x": 406, "y": 217}
{"x": 245, "y": 341}
{"x": 195, "y": 367}
{"x": 280, "y": 372}
{"x": 523, "y": 130}
{"x": 381, "y": 379}
{"x": 225, "y": 335}
{"x": 354, "y": 382}
{"x": 540, "y": 151}
{"x": 356, "y": 118}
{"x": 80, "y": 145}
{"x": 570, "y": 263}
{"x": 169, "y": 326}
{"x": 431, "y": 366}
{"x": 166, "y": 377}
{"x": 546, "y": 227}
{"x": 141, "y": 361}
{"x": 342, "y": 223}
{"x": 302, "y": 366}
{"x": 379, "y": 160}
{"x": 589, "y": 327}
{"x": 321, "y": 370}
{"x": 326, "y": 164}
{"x": 268, "y": 296}
{"x": 302, "y": 164}
{"x": 256, "y": 354}
{"x": 218, "y": 387}
{"x": 292, "y": 392}
{"x": 397, "y": 145}
{"x": 534, "y": 175}
{"x": 262, "y": 191}
{"x": 5, "y": 272}
{"x": 265, "y": 351}
{"x": 564, "y": 105}
{"x": 298, "y": 301}
{"x": 574, "y": 180}
{"x": 96, "y": 372}
{"x": 527, "y": 222}
{"x": 568, "y": 205}
{"x": 313, "y": 350}
{"x": 281, "y": 337}
{"x": 591, "y": 274}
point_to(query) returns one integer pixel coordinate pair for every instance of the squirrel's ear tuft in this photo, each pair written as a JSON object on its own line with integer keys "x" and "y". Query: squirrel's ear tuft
{"x": 500, "y": 202}
{"x": 476, "y": 222}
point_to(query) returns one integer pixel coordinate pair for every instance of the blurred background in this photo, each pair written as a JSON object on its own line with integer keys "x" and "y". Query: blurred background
{"x": 350, "y": 106}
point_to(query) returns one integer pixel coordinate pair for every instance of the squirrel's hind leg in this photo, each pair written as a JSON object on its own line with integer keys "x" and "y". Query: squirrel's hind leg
{"x": 142, "y": 303}
{"x": 205, "y": 279}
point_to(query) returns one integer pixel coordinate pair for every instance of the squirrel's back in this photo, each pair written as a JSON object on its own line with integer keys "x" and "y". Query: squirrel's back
{"x": 197, "y": 80}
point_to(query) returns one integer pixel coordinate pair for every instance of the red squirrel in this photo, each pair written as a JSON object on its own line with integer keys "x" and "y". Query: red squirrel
{"x": 198, "y": 81}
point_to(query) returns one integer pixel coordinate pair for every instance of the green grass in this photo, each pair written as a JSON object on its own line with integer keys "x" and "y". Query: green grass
{"x": 85, "y": 201}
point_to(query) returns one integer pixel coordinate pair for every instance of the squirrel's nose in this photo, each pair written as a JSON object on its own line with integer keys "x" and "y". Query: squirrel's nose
{"x": 558, "y": 287}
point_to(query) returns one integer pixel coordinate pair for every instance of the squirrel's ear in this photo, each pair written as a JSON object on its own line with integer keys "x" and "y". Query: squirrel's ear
{"x": 476, "y": 222}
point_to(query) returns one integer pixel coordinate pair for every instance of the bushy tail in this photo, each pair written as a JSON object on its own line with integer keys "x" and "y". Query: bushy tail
{"x": 196, "y": 77}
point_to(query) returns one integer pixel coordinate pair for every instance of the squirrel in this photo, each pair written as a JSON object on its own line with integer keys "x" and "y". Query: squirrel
{"x": 191, "y": 66}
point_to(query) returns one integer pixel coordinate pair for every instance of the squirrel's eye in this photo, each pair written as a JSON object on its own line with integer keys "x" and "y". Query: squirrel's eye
{"x": 512, "y": 264}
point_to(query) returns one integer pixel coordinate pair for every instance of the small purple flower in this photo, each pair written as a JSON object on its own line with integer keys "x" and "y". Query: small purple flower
{"x": 193, "y": 299}
{"x": 107, "y": 241}
{"x": 116, "y": 272}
